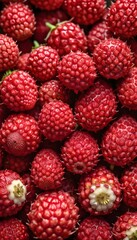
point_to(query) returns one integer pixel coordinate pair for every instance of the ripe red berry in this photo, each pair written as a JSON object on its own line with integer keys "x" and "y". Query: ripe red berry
{"x": 54, "y": 214}
{"x": 67, "y": 37}
{"x": 113, "y": 58}
{"x": 96, "y": 107}
{"x": 22, "y": 62}
{"x": 122, "y": 18}
{"x": 119, "y": 143}
{"x": 94, "y": 228}
{"x": 99, "y": 191}
{"x": 12, "y": 229}
{"x": 12, "y": 193}
{"x": 85, "y": 12}
{"x": 77, "y": 71}
{"x": 127, "y": 90}
{"x": 20, "y": 134}
{"x": 19, "y": 91}
{"x": 47, "y": 4}
{"x": 9, "y": 53}
{"x": 17, "y": 21}
{"x": 42, "y": 63}
{"x": 47, "y": 170}
{"x": 80, "y": 152}
{"x": 56, "y": 120}
{"x": 126, "y": 226}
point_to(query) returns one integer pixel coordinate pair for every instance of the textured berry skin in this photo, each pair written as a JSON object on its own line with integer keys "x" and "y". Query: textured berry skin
{"x": 132, "y": 43}
{"x": 102, "y": 204}
{"x": 11, "y": 203}
{"x": 9, "y": 53}
{"x": 16, "y": 164}
{"x": 42, "y": 17}
{"x": 113, "y": 58}
{"x": 94, "y": 228}
{"x": 119, "y": 143}
{"x": 47, "y": 4}
{"x": 56, "y": 120}
{"x": 13, "y": 228}
{"x": 31, "y": 189}
{"x": 80, "y": 153}
{"x": 54, "y": 214}
{"x": 22, "y": 62}
{"x": 19, "y": 91}
{"x": 126, "y": 226}
{"x": 17, "y": 21}
{"x": 1, "y": 157}
{"x": 85, "y": 12}
{"x": 95, "y": 108}
{"x": 127, "y": 90}
{"x": 42, "y": 63}
{"x": 47, "y": 170}
{"x": 67, "y": 37}
{"x": 20, "y": 134}
{"x": 122, "y": 18}
{"x": 99, "y": 32}
{"x": 53, "y": 90}
{"x": 129, "y": 186}
{"x": 77, "y": 71}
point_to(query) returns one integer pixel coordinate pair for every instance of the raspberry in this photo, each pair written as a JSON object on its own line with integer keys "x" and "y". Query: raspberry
{"x": 22, "y": 62}
{"x": 96, "y": 107}
{"x": 19, "y": 91}
{"x": 20, "y": 134}
{"x": 56, "y": 120}
{"x": 54, "y": 214}
{"x": 80, "y": 152}
{"x": 17, "y": 21}
{"x": 47, "y": 4}
{"x": 47, "y": 170}
{"x": 77, "y": 71}
{"x": 113, "y": 58}
{"x": 9, "y": 53}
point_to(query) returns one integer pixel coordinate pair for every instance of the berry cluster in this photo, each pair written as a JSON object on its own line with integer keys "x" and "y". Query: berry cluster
{"x": 68, "y": 120}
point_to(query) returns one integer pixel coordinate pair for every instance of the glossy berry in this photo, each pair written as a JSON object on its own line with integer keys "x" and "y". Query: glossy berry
{"x": 113, "y": 58}
{"x": 67, "y": 37}
{"x": 119, "y": 143}
{"x": 47, "y": 4}
{"x": 99, "y": 191}
{"x": 20, "y": 134}
{"x": 80, "y": 153}
{"x": 94, "y": 228}
{"x": 56, "y": 120}
{"x": 42, "y": 63}
{"x": 77, "y": 71}
{"x": 127, "y": 90}
{"x": 17, "y": 21}
{"x": 12, "y": 193}
{"x": 9, "y": 53}
{"x": 22, "y": 62}
{"x": 13, "y": 228}
{"x": 55, "y": 213}
{"x": 19, "y": 91}
{"x": 85, "y": 12}
{"x": 96, "y": 107}
{"x": 47, "y": 170}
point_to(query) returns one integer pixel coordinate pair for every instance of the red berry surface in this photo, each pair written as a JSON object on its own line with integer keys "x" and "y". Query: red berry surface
{"x": 47, "y": 4}
{"x": 20, "y": 134}
{"x": 54, "y": 214}
{"x": 22, "y": 62}
{"x": 113, "y": 58}
{"x": 17, "y": 21}
{"x": 80, "y": 152}
{"x": 96, "y": 107}
{"x": 42, "y": 63}
{"x": 94, "y": 228}
{"x": 56, "y": 120}
{"x": 47, "y": 170}
{"x": 119, "y": 143}
{"x": 12, "y": 193}
{"x": 77, "y": 71}
{"x": 13, "y": 228}
{"x": 19, "y": 91}
{"x": 9, "y": 53}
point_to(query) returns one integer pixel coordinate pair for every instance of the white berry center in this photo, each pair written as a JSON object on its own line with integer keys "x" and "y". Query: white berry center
{"x": 101, "y": 197}
{"x": 131, "y": 234}
{"x": 17, "y": 192}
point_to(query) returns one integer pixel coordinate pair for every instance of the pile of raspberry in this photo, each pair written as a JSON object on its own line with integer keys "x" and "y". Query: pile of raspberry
{"x": 68, "y": 119}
